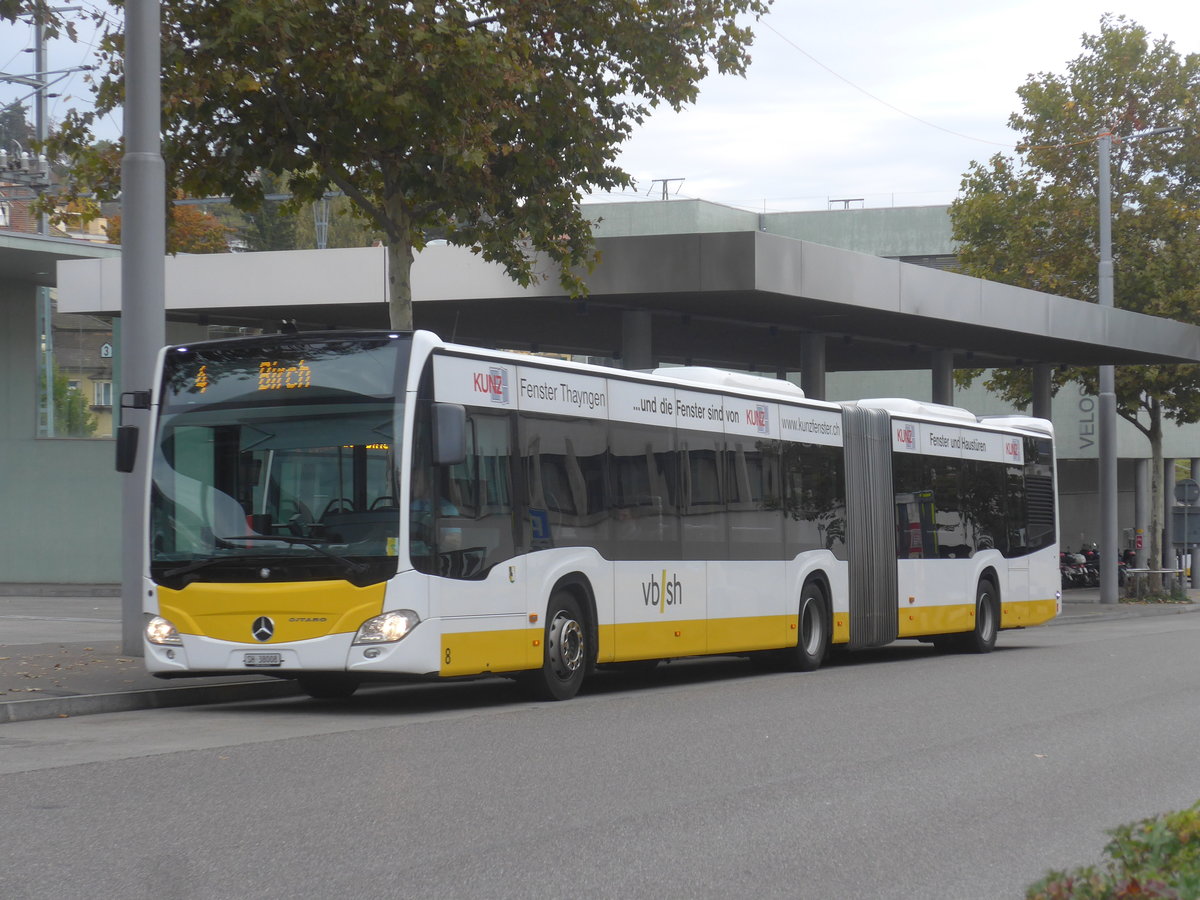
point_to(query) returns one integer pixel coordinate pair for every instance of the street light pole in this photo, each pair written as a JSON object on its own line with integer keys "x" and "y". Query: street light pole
{"x": 1107, "y": 444}
{"x": 143, "y": 246}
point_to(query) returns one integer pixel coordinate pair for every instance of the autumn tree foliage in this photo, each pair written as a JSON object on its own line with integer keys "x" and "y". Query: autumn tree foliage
{"x": 485, "y": 121}
{"x": 189, "y": 230}
{"x": 1031, "y": 219}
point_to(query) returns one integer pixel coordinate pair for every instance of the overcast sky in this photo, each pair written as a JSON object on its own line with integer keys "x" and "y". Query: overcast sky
{"x": 794, "y": 134}
{"x": 883, "y": 100}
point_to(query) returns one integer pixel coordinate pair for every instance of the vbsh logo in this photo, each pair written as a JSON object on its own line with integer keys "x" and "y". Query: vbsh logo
{"x": 662, "y": 593}
{"x": 494, "y": 383}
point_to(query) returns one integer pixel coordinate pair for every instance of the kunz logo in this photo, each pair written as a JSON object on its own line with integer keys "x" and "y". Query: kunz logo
{"x": 494, "y": 383}
{"x": 758, "y": 418}
{"x": 906, "y": 436}
{"x": 662, "y": 593}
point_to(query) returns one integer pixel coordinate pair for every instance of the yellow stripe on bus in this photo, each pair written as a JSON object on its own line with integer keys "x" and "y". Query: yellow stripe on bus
{"x": 1027, "y": 612}
{"x": 926, "y": 620}
{"x": 300, "y": 611}
{"x": 758, "y": 632}
{"x": 916, "y": 621}
{"x": 476, "y": 652}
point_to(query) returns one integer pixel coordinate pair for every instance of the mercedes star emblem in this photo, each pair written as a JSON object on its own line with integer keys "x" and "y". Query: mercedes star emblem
{"x": 262, "y": 629}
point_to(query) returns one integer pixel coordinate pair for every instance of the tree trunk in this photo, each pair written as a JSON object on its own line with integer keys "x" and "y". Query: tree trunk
{"x": 399, "y": 262}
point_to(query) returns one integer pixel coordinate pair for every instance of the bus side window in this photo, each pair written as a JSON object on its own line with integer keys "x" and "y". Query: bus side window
{"x": 475, "y": 524}
{"x": 644, "y": 477}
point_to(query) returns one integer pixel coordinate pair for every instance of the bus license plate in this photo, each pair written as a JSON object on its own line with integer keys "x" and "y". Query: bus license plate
{"x": 259, "y": 660}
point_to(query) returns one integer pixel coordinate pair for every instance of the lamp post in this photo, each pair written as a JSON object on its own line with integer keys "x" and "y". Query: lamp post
{"x": 143, "y": 239}
{"x": 1107, "y": 444}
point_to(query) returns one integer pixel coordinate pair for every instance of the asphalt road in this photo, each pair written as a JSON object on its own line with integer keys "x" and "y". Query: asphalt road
{"x": 902, "y": 773}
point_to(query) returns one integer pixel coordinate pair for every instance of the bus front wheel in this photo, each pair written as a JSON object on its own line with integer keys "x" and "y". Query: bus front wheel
{"x": 565, "y": 650}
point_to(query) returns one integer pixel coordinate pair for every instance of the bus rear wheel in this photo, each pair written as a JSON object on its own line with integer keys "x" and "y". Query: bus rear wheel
{"x": 812, "y": 640}
{"x": 328, "y": 687}
{"x": 987, "y": 620}
{"x": 566, "y": 650}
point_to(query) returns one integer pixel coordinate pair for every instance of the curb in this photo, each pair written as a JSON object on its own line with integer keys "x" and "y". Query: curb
{"x": 1111, "y": 612}
{"x": 156, "y": 698}
{"x": 14, "y": 589}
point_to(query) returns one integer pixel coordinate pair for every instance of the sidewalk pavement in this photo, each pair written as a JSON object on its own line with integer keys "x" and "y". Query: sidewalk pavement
{"x": 60, "y": 656}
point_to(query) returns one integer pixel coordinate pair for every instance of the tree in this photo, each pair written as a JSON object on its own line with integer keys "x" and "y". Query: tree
{"x": 1032, "y": 220}
{"x": 485, "y": 121}
{"x": 189, "y": 230}
{"x": 44, "y": 11}
{"x": 14, "y": 126}
{"x": 270, "y": 226}
{"x": 72, "y": 418}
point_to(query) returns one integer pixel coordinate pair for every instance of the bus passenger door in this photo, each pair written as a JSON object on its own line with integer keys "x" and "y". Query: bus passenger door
{"x": 478, "y": 584}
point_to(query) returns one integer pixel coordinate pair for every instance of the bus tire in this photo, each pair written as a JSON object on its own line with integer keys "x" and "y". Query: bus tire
{"x": 328, "y": 687}
{"x": 812, "y": 639}
{"x": 565, "y": 650}
{"x": 987, "y": 619}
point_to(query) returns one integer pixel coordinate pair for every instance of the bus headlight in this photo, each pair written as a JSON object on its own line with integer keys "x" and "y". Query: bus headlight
{"x": 161, "y": 631}
{"x": 391, "y": 626}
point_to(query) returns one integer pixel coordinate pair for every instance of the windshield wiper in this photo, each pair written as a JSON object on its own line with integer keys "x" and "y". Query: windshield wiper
{"x": 194, "y": 565}
{"x": 315, "y": 543}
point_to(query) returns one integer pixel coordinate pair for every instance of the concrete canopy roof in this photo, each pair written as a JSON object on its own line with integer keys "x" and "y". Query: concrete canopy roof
{"x": 734, "y": 299}
{"x": 32, "y": 258}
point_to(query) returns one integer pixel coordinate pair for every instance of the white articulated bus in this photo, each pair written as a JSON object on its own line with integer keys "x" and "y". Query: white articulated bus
{"x": 342, "y": 507}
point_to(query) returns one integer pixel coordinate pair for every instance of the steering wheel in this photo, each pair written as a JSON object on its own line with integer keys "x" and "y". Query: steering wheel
{"x": 338, "y": 504}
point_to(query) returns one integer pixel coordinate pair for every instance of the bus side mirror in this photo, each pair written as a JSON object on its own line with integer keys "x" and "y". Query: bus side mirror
{"x": 127, "y": 441}
{"x": 449, "y": 434}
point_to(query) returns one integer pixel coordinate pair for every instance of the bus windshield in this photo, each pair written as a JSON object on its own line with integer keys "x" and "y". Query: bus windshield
{"x": 275, "y": 459}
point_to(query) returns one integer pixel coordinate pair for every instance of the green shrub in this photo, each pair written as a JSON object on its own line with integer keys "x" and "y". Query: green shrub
{"x": 1157, "y": 857}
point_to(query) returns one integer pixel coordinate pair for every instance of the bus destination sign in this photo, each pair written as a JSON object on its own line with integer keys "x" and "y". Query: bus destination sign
{"x": 216, "y": 373}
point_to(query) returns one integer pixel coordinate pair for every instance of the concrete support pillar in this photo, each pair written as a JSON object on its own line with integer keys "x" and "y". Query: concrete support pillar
{"x": 1168, "y": 546}
{"x": 812, "y": 365}
{"x": 636, "y": 339}
{"x": 1141, "y": 511}
{"x": 943, "y": 377}
{"x": 1195, "y": 469}
{"x": 1042, "y": 393}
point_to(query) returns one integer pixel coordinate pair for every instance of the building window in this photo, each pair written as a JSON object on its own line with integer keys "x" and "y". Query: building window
{"x": 102, "y": 393}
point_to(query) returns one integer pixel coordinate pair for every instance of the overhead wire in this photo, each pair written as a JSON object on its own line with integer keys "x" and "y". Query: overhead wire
{"x": 1020, "y": 147}
{"x": 877, "y": 99}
